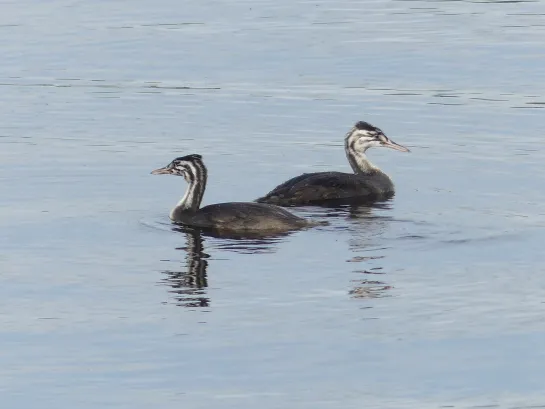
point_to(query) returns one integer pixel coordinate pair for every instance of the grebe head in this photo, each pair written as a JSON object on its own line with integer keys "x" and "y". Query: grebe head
{"x": 364, "y": 136}
{"x": 187, "y": 166}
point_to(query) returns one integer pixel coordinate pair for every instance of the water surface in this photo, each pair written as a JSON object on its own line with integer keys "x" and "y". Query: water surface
{"x": 434, "y": 299}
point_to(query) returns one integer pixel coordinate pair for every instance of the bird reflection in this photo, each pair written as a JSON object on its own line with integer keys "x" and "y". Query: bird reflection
{"x": 189, "y": 286}
{"x": 367, "y": 288}
{"x": 366, "y": 229}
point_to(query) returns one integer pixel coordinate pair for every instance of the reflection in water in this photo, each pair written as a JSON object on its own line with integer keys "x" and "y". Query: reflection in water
{"x": 246, "y": 243}
{"x": 367, "y": 288}
{"x": 367, "y": 228}
{"x": 366, "y": 231}
{"x": 189, "y": 286}
{"x": 251, "y": 246}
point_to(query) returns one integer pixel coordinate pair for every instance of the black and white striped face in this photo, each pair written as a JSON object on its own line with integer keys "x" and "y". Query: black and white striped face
{"x": 364, "y": 136}
{"x": 189, "y": 167}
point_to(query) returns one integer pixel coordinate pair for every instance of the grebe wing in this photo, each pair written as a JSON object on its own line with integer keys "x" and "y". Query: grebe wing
{"x": 242, "y": 213}
{"x": 321, "y": 186}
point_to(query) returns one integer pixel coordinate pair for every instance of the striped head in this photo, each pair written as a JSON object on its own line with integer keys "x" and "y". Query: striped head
{"x": 191, "y": 167}
{"x": 364, "y": 136}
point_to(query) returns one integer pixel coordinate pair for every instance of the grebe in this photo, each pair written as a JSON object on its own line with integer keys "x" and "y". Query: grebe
{"x": 368, "y": 183}
{"x": 228, "y": 217}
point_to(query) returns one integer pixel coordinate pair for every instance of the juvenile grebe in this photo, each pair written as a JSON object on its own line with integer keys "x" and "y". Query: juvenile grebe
{"x": 368, "y": 183}
{"x": 230, "y": 217}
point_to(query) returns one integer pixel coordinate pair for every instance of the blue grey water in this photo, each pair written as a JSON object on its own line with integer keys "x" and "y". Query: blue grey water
{"x": 435, "y": 299}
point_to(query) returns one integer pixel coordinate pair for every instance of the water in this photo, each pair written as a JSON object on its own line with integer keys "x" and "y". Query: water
{"x": 432, "y": 300}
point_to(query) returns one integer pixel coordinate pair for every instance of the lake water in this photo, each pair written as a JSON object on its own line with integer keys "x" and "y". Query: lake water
{"x": 435, "y": 299}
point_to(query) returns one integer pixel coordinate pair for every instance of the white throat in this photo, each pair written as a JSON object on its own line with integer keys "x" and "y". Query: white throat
{"x": 359, "y": 162}
{"x": 186, "y": 203}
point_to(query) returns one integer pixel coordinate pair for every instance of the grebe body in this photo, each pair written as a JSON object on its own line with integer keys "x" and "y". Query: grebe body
{"x": 227, "y": 217}
{"x": 367, "y": 183}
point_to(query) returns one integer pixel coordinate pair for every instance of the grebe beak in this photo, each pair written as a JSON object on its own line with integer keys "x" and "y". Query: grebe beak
{"x": 391, "y": 144}
{"x": 162, "y": 171}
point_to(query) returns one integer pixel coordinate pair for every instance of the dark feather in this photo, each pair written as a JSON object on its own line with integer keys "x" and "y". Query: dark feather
{"x": 243, "y": 216}
{"x": 325, "y": 186}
